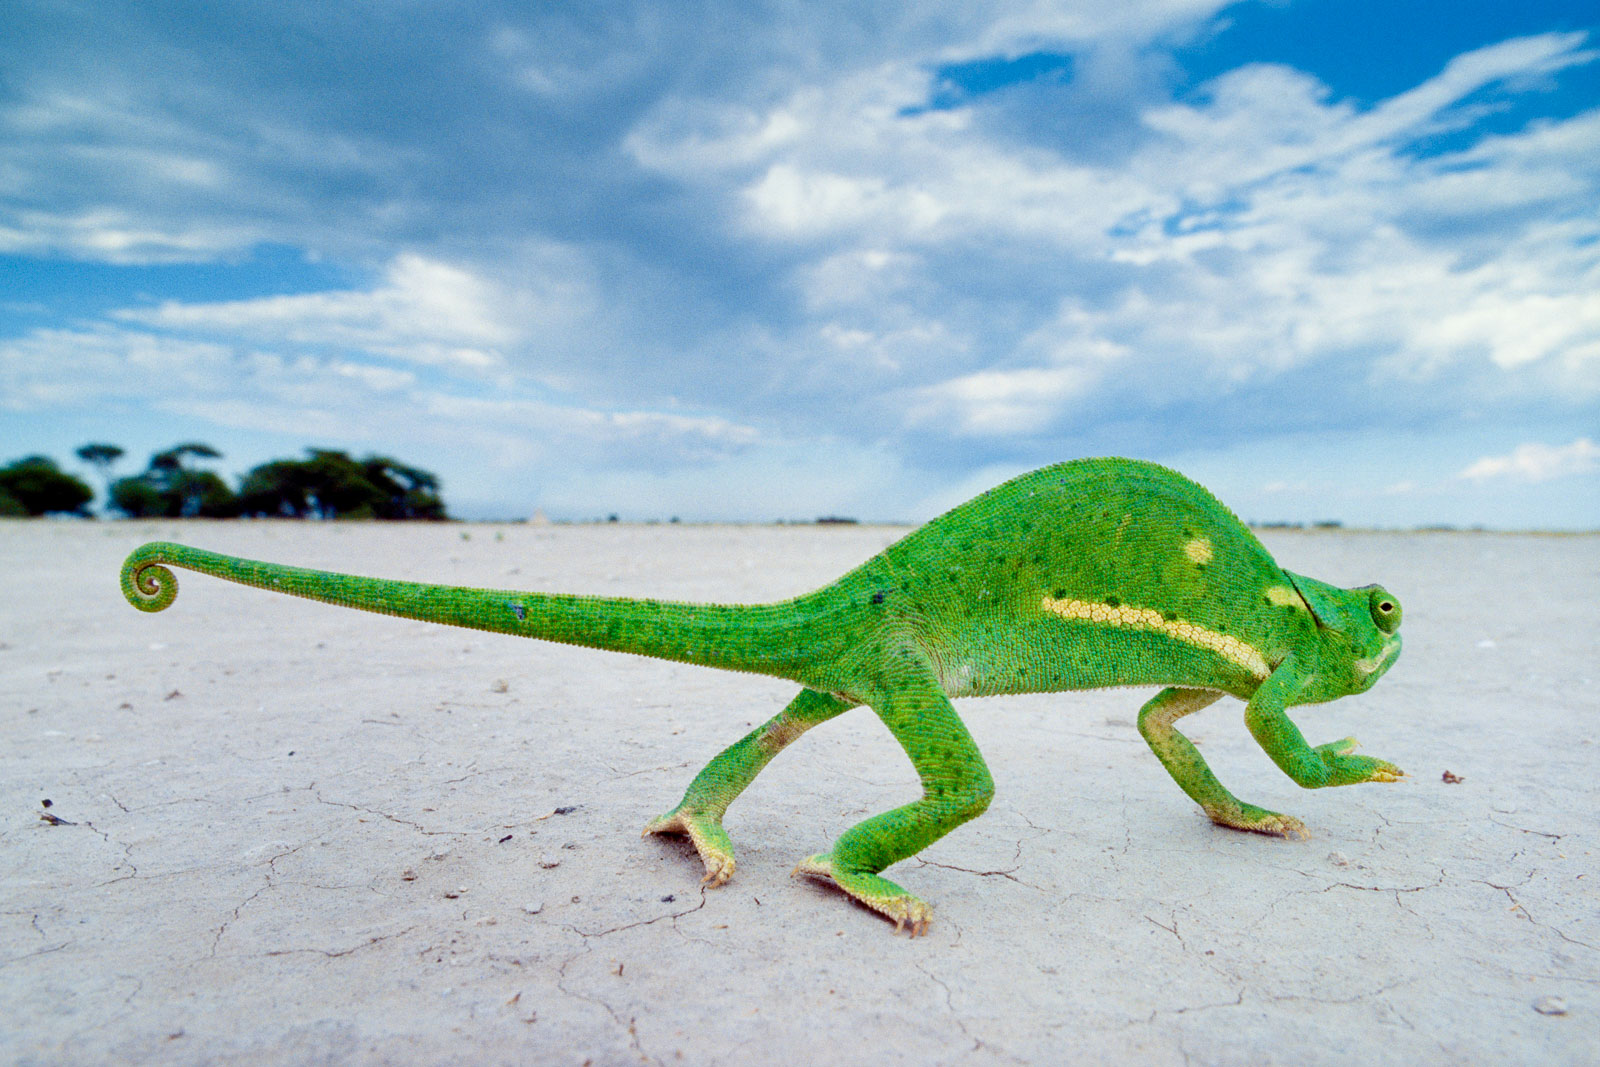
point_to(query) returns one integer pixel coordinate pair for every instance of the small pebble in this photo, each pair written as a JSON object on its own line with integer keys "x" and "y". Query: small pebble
{"x": 1550, "y": 1006}
{"x": 1338, "y": 859}
{"x": 549, "y": 859}
{"x": 534, "y": 908}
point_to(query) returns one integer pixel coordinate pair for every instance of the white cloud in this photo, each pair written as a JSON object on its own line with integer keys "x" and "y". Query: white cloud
{"x": 115, "y": 235}
{"x": 424, "y": 312}
{"x": 1265, "y": 228}
{"x": 314, "y": 397}
{"x": 631, "y": 240}
{"x": 1000, "y": 403}
{"x": 1536, "y": 462}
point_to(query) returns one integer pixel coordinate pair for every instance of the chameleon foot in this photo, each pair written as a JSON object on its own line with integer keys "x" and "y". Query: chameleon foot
{"x": 1258, "y": 821}
{"x": 710, "y": 840}
{"x": 877, "y": 893}
{"x": 1345, "y": 769}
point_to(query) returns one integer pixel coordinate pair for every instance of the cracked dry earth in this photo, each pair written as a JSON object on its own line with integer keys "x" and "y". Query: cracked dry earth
{"x": 281, "y": 832}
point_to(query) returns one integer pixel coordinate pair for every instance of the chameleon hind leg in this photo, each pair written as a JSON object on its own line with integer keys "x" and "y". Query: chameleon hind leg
{"x": 1179, "y": 756}
{"x": 699, "y": 814}
{"x": 956, "y": 787}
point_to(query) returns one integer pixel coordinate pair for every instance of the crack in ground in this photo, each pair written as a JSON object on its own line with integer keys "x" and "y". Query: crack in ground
{"x": 1525, "y": 830}
{"x": 630, "y": 1027}
{"x": 43, "y": 951}
{"x": 418, "y": 827}
{"x": 233, "y": 916}
{"x": 334, "y": 954}
{"x": 1381, "y": 888}
{"x": 950, "y": 1007}
{"x": 617, "y": 776}
{"x": 1210, "y": 962}
{"x": 127, "y": 856}
{"x": 1016, "y": 859}
{"x": 1156, "y": 1013}
{"x": 1522, "y": 910}
{"x": 1353, "y": 999}
{"x": 672, "y": 916}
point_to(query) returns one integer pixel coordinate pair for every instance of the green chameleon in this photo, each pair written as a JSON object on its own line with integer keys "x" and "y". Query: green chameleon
{"x": 1097, "y": 572}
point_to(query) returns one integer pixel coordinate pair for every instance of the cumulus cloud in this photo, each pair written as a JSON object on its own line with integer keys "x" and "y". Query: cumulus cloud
{"x": 1262, "y": 229}
{"x": 424, "y": 311}
{"x": 626, "y": 238}
{"x": 1537, "y": 462}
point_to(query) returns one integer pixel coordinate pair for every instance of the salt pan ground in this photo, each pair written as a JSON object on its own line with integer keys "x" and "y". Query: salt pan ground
{"x": 281, "y": 832}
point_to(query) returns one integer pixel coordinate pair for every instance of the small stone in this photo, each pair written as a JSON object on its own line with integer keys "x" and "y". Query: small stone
{"x": 1338, "y": 859}
{"x": 408, "y": 875}
{"x": 500, "y": 686}
{"x": 549, "y": 859}
{"x": 1550, "y": 1006}
{"x": 534, "y": 908}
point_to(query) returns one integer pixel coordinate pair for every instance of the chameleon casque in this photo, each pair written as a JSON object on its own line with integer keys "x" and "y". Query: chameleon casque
{"x": 1086, "y": 574}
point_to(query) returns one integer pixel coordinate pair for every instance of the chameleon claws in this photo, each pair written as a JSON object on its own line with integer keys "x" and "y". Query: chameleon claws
{"x": 717, "y": 874}
{"x": 710, "y": 841}
{"x": 1260, "y": 821}
{"x": 881, "y": 895}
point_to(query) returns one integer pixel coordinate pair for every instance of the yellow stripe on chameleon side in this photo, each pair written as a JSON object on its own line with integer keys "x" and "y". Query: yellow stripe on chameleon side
{"x": 1225, "y": 645}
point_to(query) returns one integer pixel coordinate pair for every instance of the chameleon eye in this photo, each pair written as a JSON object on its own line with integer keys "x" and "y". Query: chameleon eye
{"x": 1385, "y": 610}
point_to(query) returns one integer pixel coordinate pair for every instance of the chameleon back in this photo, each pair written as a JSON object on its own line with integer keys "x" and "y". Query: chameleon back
{"x": 1087, "y": 574}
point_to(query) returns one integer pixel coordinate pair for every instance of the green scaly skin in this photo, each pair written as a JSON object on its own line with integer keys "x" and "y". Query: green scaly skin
{"x": 1102, "y": 572}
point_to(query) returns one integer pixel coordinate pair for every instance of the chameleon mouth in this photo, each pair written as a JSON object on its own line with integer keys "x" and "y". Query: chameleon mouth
{"x": 1373, "y": 666}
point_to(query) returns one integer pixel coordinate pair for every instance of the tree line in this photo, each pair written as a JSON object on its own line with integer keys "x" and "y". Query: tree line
{"x": 327, "y": 484}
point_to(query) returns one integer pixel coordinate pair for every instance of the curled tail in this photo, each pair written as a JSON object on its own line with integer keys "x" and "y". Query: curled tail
{"x": 761, "y": 638}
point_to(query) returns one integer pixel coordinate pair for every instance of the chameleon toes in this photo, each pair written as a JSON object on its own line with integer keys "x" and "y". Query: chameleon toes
{"x": 872, "y": 891}
{"x": 710, "y": 842}
{"x": 1256, "y": 820}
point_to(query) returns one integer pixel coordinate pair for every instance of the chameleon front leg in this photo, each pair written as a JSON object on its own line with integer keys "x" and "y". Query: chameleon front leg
{"x": 956, "y": 787}
{"x": 699, "y": 813}
{"x": 1312, "y": 768}
{"x": 1188, "y": 768}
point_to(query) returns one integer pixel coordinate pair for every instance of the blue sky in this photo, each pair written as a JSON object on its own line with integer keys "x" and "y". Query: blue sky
{"x": 763, "y": 260}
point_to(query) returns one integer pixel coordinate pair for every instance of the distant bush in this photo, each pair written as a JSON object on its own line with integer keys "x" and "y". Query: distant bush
{"x": 169, "y": 488}
{"x": 332, "y": 485}
{"x": 328, "y": 484}
{"x": 34, "y": 485}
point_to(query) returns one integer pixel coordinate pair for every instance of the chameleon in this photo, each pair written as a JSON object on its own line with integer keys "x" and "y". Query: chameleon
{"x": 1086, "y": 574}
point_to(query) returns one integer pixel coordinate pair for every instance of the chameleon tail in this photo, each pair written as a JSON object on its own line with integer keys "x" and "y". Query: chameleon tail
{"x": 760, "y": 638}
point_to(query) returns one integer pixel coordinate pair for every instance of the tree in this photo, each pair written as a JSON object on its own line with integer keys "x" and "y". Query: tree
{"x": 38, "y": 487}
{"x": 331, "y": 485}
{"x": 102, "y": 456}
{"x": 138, "y": 498}
{"x": 169, "y": 488}
{"x": 411, "y": 493}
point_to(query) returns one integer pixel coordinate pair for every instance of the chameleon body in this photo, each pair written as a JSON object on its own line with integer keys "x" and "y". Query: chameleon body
{"x": 1092, "y": 573}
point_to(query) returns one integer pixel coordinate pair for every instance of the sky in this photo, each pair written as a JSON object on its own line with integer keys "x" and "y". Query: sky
{"x": 746, "y": 260}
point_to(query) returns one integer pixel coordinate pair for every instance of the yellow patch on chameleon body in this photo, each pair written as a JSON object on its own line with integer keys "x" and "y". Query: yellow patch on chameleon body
{"x": 1198, "y": 550}
{"x": 1282, "y": 596}
{"x": 1227, "y": 646}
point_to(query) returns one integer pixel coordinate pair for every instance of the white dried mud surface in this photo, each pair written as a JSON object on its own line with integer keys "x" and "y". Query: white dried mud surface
{"x": 293, "y": 833}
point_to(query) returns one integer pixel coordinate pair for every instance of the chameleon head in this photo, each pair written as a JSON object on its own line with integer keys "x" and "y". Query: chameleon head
{"x": 1358, "y": 635}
